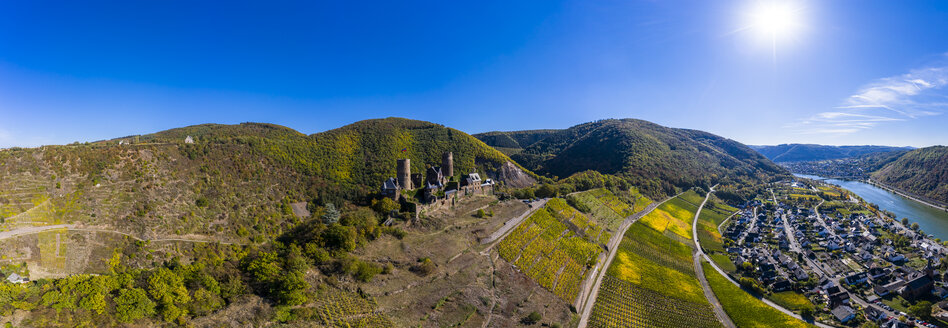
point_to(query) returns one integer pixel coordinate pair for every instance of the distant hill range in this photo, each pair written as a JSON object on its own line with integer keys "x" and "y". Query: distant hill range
{"x": 809, "y": 152}
{"x": 648, "y": 154}
{"x": 922, "y": 172}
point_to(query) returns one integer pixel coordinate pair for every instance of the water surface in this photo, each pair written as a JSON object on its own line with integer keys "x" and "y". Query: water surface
{"x": 933, "y": 221}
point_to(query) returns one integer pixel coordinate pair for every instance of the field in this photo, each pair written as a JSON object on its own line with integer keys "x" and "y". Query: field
{"x": 651, "y": 281}
{"x": 555, "y": 246}
{"x": 746, "y": 310}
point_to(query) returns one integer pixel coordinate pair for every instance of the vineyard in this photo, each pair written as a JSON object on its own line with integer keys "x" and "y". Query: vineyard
{"x": 708, "y": 220}
{"x": 651, "y": 281}
{"x": 336, "y": 308}
{"x": 744, "y": 309}
{"x": 692, "y": 197}
{"x": 625, "y": 305}
{"x": 555, "y": 247}
{"x": 604, "y": 214}
{"x": 673, "y": 216}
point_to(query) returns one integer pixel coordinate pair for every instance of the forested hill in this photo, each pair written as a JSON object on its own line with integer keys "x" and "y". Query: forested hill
{"x": 651, "y": 156}
{"x": 231, "y": 176}
{"x": 810, "y": 152}
{"x": 514, "y": 141}
{"x": 354, "y": 159}
{"x": 922, "y": 172}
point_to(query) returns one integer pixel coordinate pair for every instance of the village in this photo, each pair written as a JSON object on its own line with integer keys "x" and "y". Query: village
{"x": 856, "y": 267}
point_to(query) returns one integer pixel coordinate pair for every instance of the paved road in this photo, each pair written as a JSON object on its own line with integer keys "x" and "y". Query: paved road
{"x": 719, "y": 270}
{"x": 511, "y": 224}
{"x": 699, "y": 270}
{"x": 752, "y": 224}
{"x": 591, "y": 291}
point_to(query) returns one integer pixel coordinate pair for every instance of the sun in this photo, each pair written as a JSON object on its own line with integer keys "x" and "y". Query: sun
{"x": 775, "y": 20}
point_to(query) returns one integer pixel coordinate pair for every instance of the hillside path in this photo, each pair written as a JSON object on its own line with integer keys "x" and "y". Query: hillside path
{"x": 587, "y": 296}
{"x": 72, "y": 227}
{"x": 32, "y": 230}
{"x": 699, "y": 269}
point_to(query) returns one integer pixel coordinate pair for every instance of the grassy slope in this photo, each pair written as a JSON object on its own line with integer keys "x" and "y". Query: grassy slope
{"x": 743, "y": 309}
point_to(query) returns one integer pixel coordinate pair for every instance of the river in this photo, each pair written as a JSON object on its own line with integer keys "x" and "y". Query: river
{"x": 933, "y": 221}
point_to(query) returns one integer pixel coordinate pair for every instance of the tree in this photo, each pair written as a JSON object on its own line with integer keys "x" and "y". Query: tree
{"x": 914, "y": 226}
{"x": 481, "y": 214}
{"x": 341, "y": 237}
{"x": 290, "y": 289}
{"x": 133, "y": 304}
{"x": 904, "y": 221}
{"x": 168, "y": 289}
{"x": 385, "y": 206}
{"x": 921, "y": 309}
{"x": 546, "y": 191}
{"x": 332, "y": 214}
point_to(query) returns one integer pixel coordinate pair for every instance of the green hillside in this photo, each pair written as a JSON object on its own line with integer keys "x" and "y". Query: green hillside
{"x": 923, "y": 172}
{"x": 513, "y": 142}
{"x": 653, "y": 157}
{"x": 237, "y": 176}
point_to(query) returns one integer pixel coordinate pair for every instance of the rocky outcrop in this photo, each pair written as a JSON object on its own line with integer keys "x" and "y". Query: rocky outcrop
{"x": 512, "y": 176}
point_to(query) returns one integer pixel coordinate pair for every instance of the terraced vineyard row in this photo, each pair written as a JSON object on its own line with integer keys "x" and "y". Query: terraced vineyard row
{"x": 546, "y": 248}
{"x": 337, "y": 308}
{"x": 651, "y": 281}
{"x": 623, "y": 304}
{"x": 608, "y": 209}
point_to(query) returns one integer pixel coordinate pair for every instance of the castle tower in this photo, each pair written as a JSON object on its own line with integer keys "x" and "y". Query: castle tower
{"x": 447, "y": 164}
{"x": 403, "y": 174}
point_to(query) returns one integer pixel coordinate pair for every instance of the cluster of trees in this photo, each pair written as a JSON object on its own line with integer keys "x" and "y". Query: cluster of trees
{"x": 171, "y": 293}
{"x": 218, "y": 275}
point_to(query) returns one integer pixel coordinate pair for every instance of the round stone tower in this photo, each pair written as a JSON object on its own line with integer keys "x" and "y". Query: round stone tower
{"x": 447, "y": 164}
{"x": 404, "y": 174}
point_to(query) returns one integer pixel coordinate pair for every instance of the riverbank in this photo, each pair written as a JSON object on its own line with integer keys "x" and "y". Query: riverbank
{"x": 917, "y": 199}
{"x": 932, "y": 219}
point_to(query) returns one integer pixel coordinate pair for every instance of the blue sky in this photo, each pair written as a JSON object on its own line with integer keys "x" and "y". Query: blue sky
{"x": 853, "y": 72}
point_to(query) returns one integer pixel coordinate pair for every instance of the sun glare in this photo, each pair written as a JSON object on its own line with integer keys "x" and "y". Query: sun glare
{"x": 775, "y": 20}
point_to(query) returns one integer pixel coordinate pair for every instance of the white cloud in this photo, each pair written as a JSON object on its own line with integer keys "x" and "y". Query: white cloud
{"x": 909, "y": 96}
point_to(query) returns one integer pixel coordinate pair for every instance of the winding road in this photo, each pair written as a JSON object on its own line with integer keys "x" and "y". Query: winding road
{"x": 699, "y": 270}
{"x": 728, "y": 277}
